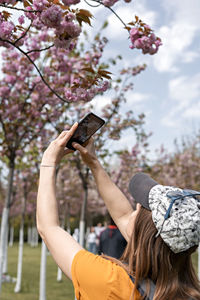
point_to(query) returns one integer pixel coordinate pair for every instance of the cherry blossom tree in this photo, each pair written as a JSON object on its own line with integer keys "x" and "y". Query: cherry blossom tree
{"x": 181, "y": 167}
{"x": 56, "y": 25}
{"x": 26, "y": 181}
{"x": 21, "y": 119}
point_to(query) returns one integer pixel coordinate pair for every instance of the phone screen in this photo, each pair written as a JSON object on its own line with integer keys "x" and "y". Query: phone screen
{"x": 86, "y": 128}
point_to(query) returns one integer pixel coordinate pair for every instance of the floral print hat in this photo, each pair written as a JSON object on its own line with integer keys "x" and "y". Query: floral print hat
{"x": 175, "y": 211}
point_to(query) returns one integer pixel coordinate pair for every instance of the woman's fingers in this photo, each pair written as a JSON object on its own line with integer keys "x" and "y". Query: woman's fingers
{"x": 67, "y": 151}
{"x": 66, "y": 134}
{"x": 78, "y": 147}
{"x": 85, "y": 146}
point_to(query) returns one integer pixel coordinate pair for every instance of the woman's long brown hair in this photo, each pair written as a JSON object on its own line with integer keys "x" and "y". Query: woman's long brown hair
{"x": 148, "y": 257}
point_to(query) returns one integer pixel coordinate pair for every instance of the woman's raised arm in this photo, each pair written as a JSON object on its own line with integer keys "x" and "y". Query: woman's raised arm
{"x": 117, "y": 204}
{"x": 59, "y": 242}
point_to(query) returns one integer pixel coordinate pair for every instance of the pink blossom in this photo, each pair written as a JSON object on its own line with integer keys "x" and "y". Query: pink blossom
{"x": 4, "y": 91}
{"x": 148, "y": 42}
{"x": 70, "y": 17}
{"x": 70, "y": 2}
{"x": 21, "y": 20}
{"x": 30, "y": 15}
{"x": 6, "y": 29}
{"x": 73, "y": 30}
{"x": 134, "y": 34}
{"x": 37, "y": 23}
{"x": 62, "y": 43}
{"x": 7, "y": 1}
{"x": 69, "y": 95}
{"x": 109, "y": 2}
{"x": 52, "y": 16}
{"x": 40, "y": 5}
{"x": 19, "y": 152}
{"x": 10, "y": 79}
{"x": 104, "y": 87}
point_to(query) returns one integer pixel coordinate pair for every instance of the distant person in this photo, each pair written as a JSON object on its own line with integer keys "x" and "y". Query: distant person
{"x": 111, "y": 241}
{"x": 162, "y": 233}
{"x": 76, "y": 234}
{"x": 98, "y": 229}
{"x": 91, "y": 240}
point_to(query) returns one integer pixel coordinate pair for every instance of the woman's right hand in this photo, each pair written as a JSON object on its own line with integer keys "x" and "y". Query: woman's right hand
{"x": 87, "y": 152}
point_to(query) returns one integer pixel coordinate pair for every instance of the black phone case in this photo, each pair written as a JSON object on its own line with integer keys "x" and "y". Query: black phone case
{"x": 83, "y": 135}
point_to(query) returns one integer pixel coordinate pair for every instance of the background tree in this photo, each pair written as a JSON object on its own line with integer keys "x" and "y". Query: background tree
{"x": 20, "y": 120}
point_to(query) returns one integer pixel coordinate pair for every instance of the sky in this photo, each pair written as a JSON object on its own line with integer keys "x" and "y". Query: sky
{"x": 168, "y": 91}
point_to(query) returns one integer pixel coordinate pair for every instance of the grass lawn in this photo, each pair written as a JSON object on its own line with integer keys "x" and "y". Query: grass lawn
{"x": 30, "y": 281}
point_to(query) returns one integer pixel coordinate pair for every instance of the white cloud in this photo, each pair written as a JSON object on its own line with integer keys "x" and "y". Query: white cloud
{"x": 193, "y": 111}
{"x": 178, "y": 35}
{"x": 99, "y": 102}
{"x": 176, "y": 38}
{"x": 127, "y": 14}
{"x": 183, "y": 10}
{"x": 136, "y": 102}
{"x": 184, "y": 104}
{"x": 135, "y": 98}
{"x": 185, "y": 89}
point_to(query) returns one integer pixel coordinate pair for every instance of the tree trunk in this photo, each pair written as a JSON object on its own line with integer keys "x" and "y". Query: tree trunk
{"x": 11, "y": 236}
{"x": 82, "y": 218}
{"x": 17, "y": 288}
{"x": 68, "y": 217}
{"x": 4, "y": 220}
{"x": 34, "y": 237}
{"x": 29, "y": 235}
{"x": 42, "y": 295}
{"x": 5, "y": 262}
{"x": 59, "y": 275}
{"x": 21, "y": 242}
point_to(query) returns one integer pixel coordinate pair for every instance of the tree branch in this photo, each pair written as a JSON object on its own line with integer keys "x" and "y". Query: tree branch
{"x": 40, "y": 50}
{"x": 101, "y": 3}
{"x": 23, "y": 35}
{"x": 19, "y": 9}
{"x": 38, "y": 70}
{"x": 91, "y": 4}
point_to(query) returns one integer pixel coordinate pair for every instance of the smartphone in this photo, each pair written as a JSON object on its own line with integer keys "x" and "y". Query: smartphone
{"x": 86, "y": 128}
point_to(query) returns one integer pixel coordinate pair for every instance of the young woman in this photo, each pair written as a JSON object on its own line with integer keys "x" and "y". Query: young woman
{"x": 162, "y": 233}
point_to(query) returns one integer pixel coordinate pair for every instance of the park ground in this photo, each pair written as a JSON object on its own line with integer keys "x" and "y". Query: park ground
{"x": 31, "y": 272}
{"x": 30, "y": 282}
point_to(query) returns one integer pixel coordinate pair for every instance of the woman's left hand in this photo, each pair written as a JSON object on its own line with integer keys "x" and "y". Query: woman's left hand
{"x": 57, "y": 148}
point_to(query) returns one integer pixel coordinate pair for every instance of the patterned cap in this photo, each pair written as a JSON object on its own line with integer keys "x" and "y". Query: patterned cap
{"x": 175, "y": 212}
